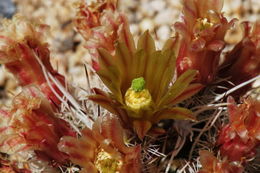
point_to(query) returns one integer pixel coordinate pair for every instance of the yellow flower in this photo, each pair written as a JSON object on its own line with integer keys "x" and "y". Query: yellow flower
{"x": 102, "y": 149}
{"x": 140, "y": 81}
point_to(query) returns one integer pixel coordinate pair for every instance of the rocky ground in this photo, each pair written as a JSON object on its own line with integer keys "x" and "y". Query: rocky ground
{"x": 66, "y": 45}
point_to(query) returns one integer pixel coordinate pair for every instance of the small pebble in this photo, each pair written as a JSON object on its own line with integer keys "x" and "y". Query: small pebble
{"x": 146, "y": 24}
{"x": 158, "y": 5}
{"x": 147, "y": 10}
{"x": 164, "y": 17}
{"x": 164, "y": 32}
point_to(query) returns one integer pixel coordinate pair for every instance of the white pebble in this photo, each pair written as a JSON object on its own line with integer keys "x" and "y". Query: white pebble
{"x": 163, "y": 32}
{"x": 165, "y": 17}
{"x": 134, "y": 28}
{"x": 147, "y": 24}
{"x": 147, "y": 10}
{"x": 158, "y": 5}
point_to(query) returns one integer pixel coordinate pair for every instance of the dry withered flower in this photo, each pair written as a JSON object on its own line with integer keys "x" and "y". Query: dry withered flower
{"x": 22, "y": 46}
{"x": 202, "y": 32}
{"x": 102, "y": 149}
{"x": 240, "y": 137}
{"x": 30, "y": 124}
{"x": 139, "y": 82}
{"x": 243, "y": 61}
